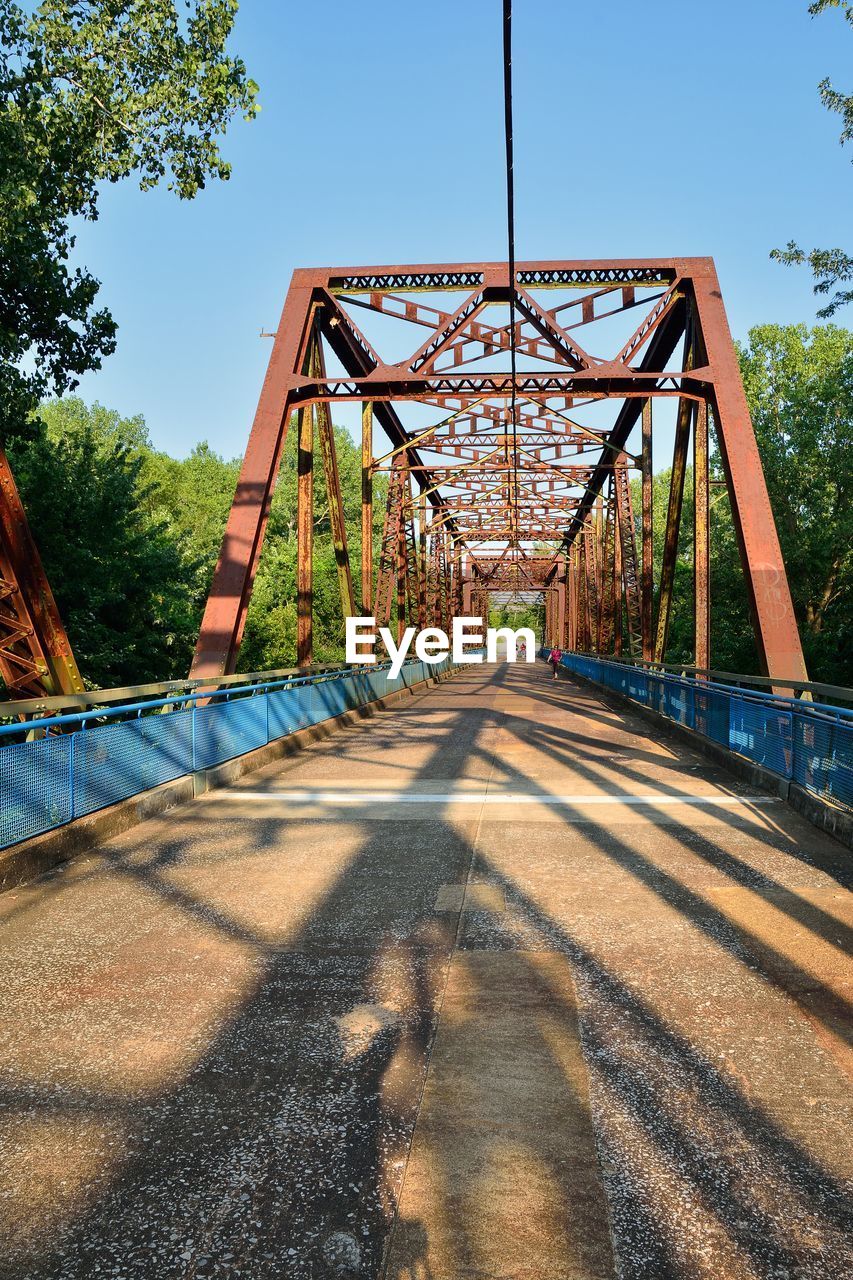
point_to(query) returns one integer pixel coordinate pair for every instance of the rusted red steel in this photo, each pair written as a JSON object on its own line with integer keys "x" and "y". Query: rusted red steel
{"x": 774, "y": 623}
{"x": 617, "y": 579}
{"x": 305, "y": 538}
{"x": 647, "y": 542}
{"x": 328, "y": 449}
{"x": 35, "y": 654}
{"x": 628, "y": 556}
{"x": 388, "y": 552}
{"x": 225, "y": 613}
{"x": 701, "y": 540}
{"x": 366, "y": 509}
{"x": 494, "y": 485}
{"x": 673, "y": 525}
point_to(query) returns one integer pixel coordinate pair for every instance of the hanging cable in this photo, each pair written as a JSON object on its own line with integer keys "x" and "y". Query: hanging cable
{"x": 510, "y": 219}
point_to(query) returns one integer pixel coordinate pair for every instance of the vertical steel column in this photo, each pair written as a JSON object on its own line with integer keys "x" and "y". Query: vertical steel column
{"x": 389, "y": 549}
{"x": 600, "y": 572}
{"x": 608, "y": 582}
{"x": 402, "y": 557}
{"x": 647, "y": 582}
{"x": 305, "y": 539}
{"x": 571, "y": 602}
{"x": 367, "y": 508}
{"x": 467, "y": 596}
{"x": 561, "y": 613}
{"x": 673, "y": 524}
{"x": 617, "y": 574}
{"x": 35, "y": 654}
{"x": 326, "y": 434}
{"x": 774, "y": 622}
{"x": 574, "y": 598}
{"x": 591, "y": 576}
{"x": 225, "y": 612}
{"x": 422, "y": 561}
{"x": 454, "y": 586}
{"x": 701, "y": 540}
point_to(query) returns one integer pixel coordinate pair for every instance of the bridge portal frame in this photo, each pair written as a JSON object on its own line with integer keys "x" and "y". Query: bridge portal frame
{"x": 425, "y": 572}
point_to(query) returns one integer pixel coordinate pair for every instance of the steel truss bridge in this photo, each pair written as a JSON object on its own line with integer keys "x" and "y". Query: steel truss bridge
{"x": 497, "y": 484}
{"x": 493, "y": 970}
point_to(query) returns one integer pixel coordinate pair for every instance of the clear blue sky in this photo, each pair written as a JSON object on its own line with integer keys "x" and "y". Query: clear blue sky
{"x": 641, "y": 130}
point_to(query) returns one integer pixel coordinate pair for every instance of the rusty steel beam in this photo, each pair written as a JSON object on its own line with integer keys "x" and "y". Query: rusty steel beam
{"x": 388, "y": 548}
{"x": 774, "y": 624}
{"x": 225, "y": 613}
{"x": 501, "y": 485}
{"x": 628, "y": 558}
{"x": 647, "y": 543}
{"x": 326, "y": 436}
{"x": 673, "y": 525}
{"x": 36, "y": 659}
{"x": 701, "y": 541}
{"x": 617, "y": 574}
{"x": 402, "y": 576}
{"x": 305, "y": 539}
{"x": 366, "y": 509}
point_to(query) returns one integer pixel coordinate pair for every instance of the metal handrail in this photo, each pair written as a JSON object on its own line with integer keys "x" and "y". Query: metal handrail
{"x": 802, "y": 742}
{"x": 315, "y": 676}
{"x": 731, "y": 677}
{"x": 756, "y": 695}
{"x": 102, "y": 697}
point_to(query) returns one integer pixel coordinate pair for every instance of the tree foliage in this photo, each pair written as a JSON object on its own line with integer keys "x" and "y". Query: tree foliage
{"x": 799, "y": 384}
{"x": 117, "y": 569}
{"x": 832, "y": 268}
{"x": 94, "y": 91}
{"x": 130, "y": 537}
{"x": 269, "y": 642}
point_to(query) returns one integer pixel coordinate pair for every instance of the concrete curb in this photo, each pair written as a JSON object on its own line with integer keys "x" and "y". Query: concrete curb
{"x": 30, "y": 858}
{"x": 827, "y": 817}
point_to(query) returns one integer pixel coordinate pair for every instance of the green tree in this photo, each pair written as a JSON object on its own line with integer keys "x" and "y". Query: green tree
{"x": 93, "y": 91}
{"x": 518, "y": 614}
{"x": 799, "y": 383}
{"x": 118, "y": 574}
{"x": 832, "y": 268}
{"x": 270, "y": 637}
{"x": 192, "y": 498}
{"x": 680, "y": 646}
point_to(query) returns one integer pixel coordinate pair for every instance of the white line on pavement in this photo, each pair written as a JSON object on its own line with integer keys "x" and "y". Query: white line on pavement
{"x": 480, "y": 797}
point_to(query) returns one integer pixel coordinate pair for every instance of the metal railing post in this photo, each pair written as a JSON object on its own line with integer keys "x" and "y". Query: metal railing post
{"x": 72, "y": 775}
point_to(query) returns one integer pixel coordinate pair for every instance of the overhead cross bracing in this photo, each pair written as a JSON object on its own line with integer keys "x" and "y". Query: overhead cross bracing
{"x": 490, "y": 473}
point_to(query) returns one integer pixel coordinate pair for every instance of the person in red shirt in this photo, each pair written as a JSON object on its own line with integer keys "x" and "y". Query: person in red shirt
{"x": 554, "y": 658}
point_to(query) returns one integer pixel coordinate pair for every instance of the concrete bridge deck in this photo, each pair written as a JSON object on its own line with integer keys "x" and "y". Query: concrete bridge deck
{"x": 496, "y": 984}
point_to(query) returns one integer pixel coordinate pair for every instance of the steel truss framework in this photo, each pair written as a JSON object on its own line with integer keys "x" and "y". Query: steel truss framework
{"x": 491, "y": 495}
{"x": 483, "y": 501}
{"x": 35, "y": 655}
{"x": 498, "y": 487}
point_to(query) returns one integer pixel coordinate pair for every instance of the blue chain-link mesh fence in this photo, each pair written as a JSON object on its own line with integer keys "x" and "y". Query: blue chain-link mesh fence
{"x": 35, "y": 791}
{"x": 823, "y": 756}
{"x": 809, "y": 743}
{"x": 47, "y": 781}
{"x": 114, "y": 761}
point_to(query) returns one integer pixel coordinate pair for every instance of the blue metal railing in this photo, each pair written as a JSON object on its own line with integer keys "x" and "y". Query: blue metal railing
{"x": 91, "y": 759}
{"x": 807, "y": 742}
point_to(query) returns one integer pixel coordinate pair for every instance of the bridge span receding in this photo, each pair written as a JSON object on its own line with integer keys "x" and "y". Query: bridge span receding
{"x": 502, "y": 982}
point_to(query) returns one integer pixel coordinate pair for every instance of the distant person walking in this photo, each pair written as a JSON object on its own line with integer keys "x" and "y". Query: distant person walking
{"x": 554, "y": 658}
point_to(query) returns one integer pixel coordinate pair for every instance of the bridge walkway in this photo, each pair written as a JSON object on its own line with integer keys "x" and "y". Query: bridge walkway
{"x": 499, "y": 983}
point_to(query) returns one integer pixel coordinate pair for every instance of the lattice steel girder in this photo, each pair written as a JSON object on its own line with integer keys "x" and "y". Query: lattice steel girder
{"x": 35, "y": 655}
{"x": 490, "y": 478}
